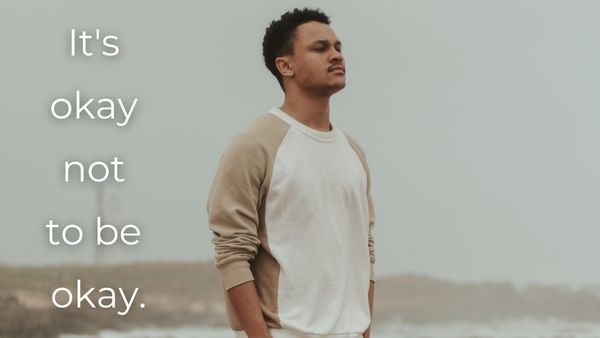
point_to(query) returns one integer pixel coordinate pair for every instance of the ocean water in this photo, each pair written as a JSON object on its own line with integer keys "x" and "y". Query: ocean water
{"x": 507, "y": 329}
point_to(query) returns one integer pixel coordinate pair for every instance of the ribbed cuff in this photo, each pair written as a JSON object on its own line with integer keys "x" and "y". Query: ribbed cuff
{"x": 373, "y": 272}
{"x": 235, "y": 273}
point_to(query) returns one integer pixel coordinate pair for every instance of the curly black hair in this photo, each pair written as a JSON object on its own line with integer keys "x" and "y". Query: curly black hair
{"x": 280, "y": 34}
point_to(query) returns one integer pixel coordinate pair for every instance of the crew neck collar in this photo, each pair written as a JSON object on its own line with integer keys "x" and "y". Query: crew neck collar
{"x": 323, "y": 136}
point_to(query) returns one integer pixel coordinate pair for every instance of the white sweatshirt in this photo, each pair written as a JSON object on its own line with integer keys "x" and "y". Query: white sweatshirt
{"x": 290, "y": 208}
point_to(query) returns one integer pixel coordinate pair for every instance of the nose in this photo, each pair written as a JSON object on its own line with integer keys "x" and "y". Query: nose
{"x": 336, "y": 56}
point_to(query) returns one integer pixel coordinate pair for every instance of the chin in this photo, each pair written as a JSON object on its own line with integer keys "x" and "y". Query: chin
{"x": 329, "y": 88}
{"x": 337, "y": 87}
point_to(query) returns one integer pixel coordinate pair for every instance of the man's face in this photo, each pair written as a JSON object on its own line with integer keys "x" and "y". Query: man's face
{"x": 317, "y": 62}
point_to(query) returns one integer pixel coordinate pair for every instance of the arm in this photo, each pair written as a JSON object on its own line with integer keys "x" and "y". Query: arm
{"x": 233, "y": 219}
{"x": 247, "y": 307}
{"x": 371, "y": 241}
{"x": 371, "y": 244}
{"x": 367, "y": 334}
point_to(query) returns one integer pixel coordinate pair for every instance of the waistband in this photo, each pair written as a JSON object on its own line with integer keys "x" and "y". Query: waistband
{"x": 286, "y": 333}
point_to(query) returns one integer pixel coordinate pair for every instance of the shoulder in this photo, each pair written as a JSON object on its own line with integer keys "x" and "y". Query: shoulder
{"x": 260, "y": 137}
{"x": 360, "y": 154}
{"x": 356, "y": 146}
{"x": 264, "y": 129}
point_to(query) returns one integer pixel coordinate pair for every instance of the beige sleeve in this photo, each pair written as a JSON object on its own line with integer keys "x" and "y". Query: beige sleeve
{"x": 233, "y": 212}
{"x": 363, "y": 159}
{"x": 371, "y": 240}
{"x": 237, "y": 195}
{"x": 371, "y": 222}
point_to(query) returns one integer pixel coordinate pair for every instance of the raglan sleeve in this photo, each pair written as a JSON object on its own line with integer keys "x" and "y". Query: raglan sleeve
{"x": 371, "y": 224}
{"x": 371, "y": 242}
{"x": 233, "y": 210}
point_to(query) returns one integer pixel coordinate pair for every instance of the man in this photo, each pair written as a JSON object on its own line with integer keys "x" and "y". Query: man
{"x": 290, "y": 205}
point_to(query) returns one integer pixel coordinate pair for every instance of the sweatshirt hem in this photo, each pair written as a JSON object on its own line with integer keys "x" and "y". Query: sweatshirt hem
{"x": 287, "y": 333}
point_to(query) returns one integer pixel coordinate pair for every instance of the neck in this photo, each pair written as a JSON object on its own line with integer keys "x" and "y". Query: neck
{"x": 310, "y": 110}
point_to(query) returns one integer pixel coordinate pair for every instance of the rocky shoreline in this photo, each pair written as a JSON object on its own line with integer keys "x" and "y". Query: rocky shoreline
{"x": 182, "y": 294}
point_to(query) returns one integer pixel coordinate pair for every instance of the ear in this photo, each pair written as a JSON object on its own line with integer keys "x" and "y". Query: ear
{"x": 284, "y": 66}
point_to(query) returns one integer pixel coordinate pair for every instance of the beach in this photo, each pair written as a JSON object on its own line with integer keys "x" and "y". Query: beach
{"x": 526, "y": 328}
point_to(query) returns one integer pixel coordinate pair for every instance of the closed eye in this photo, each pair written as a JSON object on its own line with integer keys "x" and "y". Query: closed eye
{"x": 323, "y": 45}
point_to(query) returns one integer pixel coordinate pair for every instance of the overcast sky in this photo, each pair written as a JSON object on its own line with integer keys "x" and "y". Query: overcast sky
{"x": 480, "y": 120}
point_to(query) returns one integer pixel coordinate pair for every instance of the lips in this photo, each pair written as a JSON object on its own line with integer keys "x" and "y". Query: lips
{"x": 338, "y": 68}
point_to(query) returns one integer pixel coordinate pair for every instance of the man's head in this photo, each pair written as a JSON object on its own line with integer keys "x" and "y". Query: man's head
{"x": 300, "y": 49}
